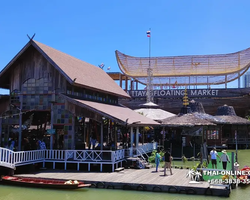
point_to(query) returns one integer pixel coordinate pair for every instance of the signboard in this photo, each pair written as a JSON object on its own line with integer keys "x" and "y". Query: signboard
{"x": 167, "y": 93}
{"x": 197, "y": 93}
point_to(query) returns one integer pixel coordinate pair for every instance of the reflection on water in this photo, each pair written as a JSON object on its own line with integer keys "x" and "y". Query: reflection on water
{"x": 22, "y": 193}
{"x": 18, "y": 193}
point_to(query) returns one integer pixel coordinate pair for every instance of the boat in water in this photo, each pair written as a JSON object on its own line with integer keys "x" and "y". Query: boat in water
{"x": 43, "y": 183}
{"x": 245, "y": 175}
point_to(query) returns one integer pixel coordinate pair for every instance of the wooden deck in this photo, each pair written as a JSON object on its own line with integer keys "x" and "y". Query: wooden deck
{"x": 138, "y": 179}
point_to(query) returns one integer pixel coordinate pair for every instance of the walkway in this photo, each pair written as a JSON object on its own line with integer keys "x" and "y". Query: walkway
{"x": 144, "y": 179}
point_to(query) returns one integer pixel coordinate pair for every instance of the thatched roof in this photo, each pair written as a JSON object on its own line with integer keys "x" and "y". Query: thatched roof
{"x": 226, "y": 110}
{"x": 196, "y": 106}
{"x": 231, "y": 119}
{"x": 186, "y": 120}
{"x": 228, "y": 116}
{"x": 210, "y": 118}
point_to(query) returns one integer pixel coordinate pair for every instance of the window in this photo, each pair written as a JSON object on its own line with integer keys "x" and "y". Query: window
{"x": 212, "y": 134}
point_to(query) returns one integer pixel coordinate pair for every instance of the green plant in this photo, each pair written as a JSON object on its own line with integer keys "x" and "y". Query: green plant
{"x": 192, "y": 158}
{"x": 204, "y": 164}
{"x": 151, "y": 159}
{"x": 195, "y": 167}
{"x": 184, "y": 159}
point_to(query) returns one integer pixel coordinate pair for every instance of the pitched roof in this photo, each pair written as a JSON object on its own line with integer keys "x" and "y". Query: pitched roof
{"x": 186, "y": 120}
{"x": 228, "y": 115}
{"x": 118, "y": 113}
{"x": 76, "y": 71}
{"x": 232, "y": 119}
{"x": 154, "y": 113}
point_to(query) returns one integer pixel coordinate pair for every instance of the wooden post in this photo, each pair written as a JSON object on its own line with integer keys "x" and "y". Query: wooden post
{"x": 0, "y": 131}
{"x": 131, "y": 141}
{"x": 232, "y": 161}
{"x": 137, "y": 137}
{"x": 131, "y": 85}
{"x": 51, "y": 124}
{"x": 126, "y": 84}
{"x": 120, "y": 78}
{"x": 115, "y": 136}
{"x": 20, "y": 123}
{"x": 73, "y": 133}
{"x": 101, "y": 135}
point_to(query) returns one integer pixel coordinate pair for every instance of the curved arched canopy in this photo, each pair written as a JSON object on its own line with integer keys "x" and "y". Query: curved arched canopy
{"x": 186, "y": 70}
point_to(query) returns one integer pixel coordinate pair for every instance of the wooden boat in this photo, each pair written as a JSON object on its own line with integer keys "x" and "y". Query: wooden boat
{"x": 245, "y": 179}
{"x": 43, "y": 183}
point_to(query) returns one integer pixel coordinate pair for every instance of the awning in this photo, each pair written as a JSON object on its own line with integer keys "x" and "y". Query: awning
{"x": 118, "y": 113}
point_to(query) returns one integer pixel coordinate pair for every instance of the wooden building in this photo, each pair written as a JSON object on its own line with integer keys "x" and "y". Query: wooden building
{"x": 61, "y": 98}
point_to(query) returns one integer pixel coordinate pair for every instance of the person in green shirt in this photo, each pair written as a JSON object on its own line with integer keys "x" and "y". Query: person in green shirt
{"x": 157, "y": 159}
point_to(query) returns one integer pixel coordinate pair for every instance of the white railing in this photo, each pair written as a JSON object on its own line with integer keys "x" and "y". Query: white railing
{"x": 12, "y": 159}
{"x": 148, "y": 147}
{"x": 23, "y": 157}
{"x": 6, "y": 158}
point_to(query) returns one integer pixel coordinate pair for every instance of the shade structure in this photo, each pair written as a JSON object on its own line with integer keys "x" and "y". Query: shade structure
{"x": 186, "y": 70}
{"x": 152, "y": 111}
{"x": 120, "y": 114}
{"x": 187, "y": 120}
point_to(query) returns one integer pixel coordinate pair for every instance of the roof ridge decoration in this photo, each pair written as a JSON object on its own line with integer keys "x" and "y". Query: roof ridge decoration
{"x": 186, "y": 70}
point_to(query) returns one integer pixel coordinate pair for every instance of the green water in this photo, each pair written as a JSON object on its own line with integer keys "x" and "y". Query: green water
{"x": 20, "y": 193}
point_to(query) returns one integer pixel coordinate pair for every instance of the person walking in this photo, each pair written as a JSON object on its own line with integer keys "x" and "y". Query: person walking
{"x": 157, "y": 159}
{"x": 168, "y": 159}
{"x": 214, "y": 156}
{"x": 224, "y": 158}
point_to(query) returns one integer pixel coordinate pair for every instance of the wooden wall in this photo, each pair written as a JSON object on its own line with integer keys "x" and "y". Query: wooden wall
{"x": 33, "y": 65}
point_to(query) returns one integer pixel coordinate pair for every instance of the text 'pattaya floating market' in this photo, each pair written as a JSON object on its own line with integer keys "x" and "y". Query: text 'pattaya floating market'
{"x": 163, "y": 93}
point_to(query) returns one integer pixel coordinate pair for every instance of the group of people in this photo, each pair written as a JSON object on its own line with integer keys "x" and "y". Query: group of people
{"x": 224, "y": 158}
{"x": 167, "y": 158}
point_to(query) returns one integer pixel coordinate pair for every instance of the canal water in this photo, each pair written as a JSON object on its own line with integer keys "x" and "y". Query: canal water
{"x": 22, "y": 193}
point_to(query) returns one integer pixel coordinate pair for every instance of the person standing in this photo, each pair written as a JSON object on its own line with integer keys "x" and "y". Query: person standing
{"x": 214, "y": 156}
{"x": 168, "y": 159}
{"x": 224, "y": 159}
{"x": 157, "y": 159}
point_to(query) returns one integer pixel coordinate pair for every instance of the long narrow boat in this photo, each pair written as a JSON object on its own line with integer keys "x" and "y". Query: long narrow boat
{"x": 43, "y": 183}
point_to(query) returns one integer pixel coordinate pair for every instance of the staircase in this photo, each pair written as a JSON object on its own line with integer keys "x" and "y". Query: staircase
{"x": 139, "y": 159}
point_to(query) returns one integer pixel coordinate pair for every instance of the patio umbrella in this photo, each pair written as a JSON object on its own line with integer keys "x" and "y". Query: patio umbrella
{"x": 152, "y": 111}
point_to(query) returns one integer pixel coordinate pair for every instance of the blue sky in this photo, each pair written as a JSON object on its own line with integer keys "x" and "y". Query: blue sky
{"x": 93, "y": 30}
